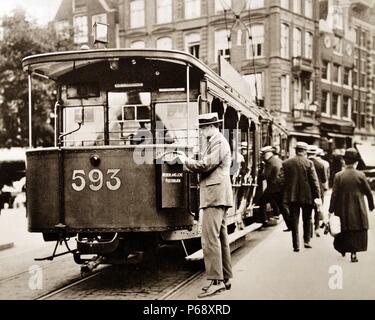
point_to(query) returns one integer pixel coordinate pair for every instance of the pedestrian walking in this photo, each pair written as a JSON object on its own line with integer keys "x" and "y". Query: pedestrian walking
{"x": 215, "y": 198}
{"x": 350, "y": 186}
{"x": 273, "y": 192}
{"x": 322, "y": 178}
{"x": 301, "y": 189}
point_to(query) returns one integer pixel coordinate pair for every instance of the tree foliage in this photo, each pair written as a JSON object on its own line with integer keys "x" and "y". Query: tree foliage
{"x": 23, "y": 38}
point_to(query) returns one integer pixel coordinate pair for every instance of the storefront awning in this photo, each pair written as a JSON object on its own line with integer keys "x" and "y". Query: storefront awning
{"x": 367, "y": 153}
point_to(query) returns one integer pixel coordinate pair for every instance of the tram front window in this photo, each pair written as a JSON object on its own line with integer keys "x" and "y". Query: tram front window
{"x": 91, "y": 132}
{"x": 172, "y": 123}
{"x": 129, "y": 117}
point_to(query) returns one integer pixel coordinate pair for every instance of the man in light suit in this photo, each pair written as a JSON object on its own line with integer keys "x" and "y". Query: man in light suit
{"x": 215, "y": 198}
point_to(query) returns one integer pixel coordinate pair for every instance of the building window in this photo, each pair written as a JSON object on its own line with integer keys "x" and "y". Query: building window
{"x": 297, "y": 6}
{"x": 357, "y": 36}
{"x": 347, "y": 76}
{"x": 254, "y": 4}
{"x": 355, "y": 78}
{"x": 255, "y": 46}
{"x": 363, "y": 38}
{"x": 284, "y": 39}
{"x": 62, "y": 29}
{"x": 337, "y": 45}
{"x": 335, "y": 104}
{"x": 80, "y": 29}
{"x": 163, "y": 11}
{"x": 308, "y": 88}
{"x": 309, "y": 8}
{"x": 221, "y": 5}
{"x": 285, "y": 99}
{"x": 362, "y": 80}
{"x": 373, "y": 43}
{"x": 363, "y": 121}
{"x": 137, "y": 13}
{"x": 284, "y": 4}
{"x": 297, "y": 42}
{"x": 164, "y": 43}
{"x": 346, "y": 106}
{"x": 297, "y": 89}
{"x": 338, "y": 21}
{"x": 336, "y": 73}
{"x": 308, "y": 45}
{"x": 255, "y": 81}
{"x": 326, "y": 70}
{"x": 192, "y": 9}
{"x": 79, "y": 5}
{"x": 355, "y": 117}
{"x": 325, "y": 102}
{"x": 138, "y": 44}
{"x": 192, "y": 44}
{"x": 222, "y": 47}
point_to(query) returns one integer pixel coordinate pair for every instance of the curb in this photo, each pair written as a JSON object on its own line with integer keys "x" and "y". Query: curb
{"x": 6, "y": 245}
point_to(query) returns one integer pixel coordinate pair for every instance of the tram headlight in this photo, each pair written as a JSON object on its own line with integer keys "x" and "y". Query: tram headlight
{"x": 95, "y": 160}
{"x": 114, "y": 64}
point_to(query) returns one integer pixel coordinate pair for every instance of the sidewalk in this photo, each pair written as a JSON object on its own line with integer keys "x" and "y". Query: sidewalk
{"x": 271, "y": 270}
{"x": 13, "y": 231}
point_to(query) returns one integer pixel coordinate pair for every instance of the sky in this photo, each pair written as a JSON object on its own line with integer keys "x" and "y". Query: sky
{"x": 41, "y": 10}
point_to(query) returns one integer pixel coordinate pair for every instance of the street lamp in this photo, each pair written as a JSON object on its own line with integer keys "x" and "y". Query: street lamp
{"x": 100, "y": 32}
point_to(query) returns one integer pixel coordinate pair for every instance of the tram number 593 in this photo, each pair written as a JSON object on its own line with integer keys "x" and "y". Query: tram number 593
{"x": 96, "y": 180}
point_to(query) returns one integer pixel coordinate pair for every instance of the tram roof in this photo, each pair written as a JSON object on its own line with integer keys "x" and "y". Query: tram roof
{"x": 56, "y": 64}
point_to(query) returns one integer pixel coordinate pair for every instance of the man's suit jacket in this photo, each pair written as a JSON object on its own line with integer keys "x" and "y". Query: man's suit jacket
{"x": 321, "y": 173}
{"x": 214, "y": 168}
{"x": 301, "y": 183}
{"x": 271, "y": 172}
{"x": 347, "y": 200}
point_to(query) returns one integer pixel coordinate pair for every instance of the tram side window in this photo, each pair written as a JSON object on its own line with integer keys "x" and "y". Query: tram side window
{"x": 91, "y": 132}
{"x": 172, "y": 123}
{"x": 129, "y": 118}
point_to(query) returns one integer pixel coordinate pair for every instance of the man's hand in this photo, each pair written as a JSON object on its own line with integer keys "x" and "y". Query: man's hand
{"x": 318, "y": 202}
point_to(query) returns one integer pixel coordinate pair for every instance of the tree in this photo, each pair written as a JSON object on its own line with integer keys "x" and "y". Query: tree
{"x": 23, "y": 38}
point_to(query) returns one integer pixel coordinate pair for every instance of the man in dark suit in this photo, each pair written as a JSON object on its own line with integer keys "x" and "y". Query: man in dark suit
{"x": 273, "y": 193}
{"x": 301, "y": 187}
{"x": 215, "y": 198}
{"x": 322, "y": 177}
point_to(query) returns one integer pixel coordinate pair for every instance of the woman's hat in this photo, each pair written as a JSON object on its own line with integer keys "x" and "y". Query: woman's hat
{"x": 209, "y": 118}
{"x": 351, "y": 154}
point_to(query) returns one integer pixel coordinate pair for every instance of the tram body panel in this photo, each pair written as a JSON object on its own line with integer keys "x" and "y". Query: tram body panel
{"x": 103, "y": 197}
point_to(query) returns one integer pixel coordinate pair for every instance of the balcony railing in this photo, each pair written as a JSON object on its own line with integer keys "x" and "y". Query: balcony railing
{"x": 302, "y": 64}
{"x": 362, "y": 3}
{"x": 304, "y": 114}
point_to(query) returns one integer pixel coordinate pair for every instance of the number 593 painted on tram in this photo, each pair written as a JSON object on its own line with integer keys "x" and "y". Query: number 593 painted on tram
{"x": 111, "y": 180}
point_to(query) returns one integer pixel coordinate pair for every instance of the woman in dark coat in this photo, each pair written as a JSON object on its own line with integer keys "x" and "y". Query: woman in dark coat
{"x": 347, "y": 201}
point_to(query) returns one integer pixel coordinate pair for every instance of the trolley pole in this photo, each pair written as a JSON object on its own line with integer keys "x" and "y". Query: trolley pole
{"x": 30, "y": 114}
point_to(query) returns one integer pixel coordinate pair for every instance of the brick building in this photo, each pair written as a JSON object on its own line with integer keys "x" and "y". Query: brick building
{"x": 301, "y": 58}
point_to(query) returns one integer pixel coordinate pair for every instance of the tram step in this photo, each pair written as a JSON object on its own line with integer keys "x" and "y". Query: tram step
{"x": 198, "y": 255}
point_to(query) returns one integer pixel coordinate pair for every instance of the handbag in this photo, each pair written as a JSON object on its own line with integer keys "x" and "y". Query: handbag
{"x": 334, "y": 225}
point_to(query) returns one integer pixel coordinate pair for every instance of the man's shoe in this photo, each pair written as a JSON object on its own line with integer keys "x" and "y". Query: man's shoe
{"x": 307, "y": 245}
{"x": 227, "y": 284}
{"x": 296, "y": 249}
{"x": 286, "y": 230}
{"x": 212, "y": 289}
{"x": 213, "y": 282}
{"x": 317, "y": 234}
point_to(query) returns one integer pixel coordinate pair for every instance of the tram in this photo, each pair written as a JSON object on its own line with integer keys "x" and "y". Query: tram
{"x": 121, "y": 116}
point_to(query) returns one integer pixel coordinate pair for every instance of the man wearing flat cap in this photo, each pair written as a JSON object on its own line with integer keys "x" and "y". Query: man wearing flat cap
{"x": 273, "y": 192}
{"x": 215, "y": 198}
{"x": 301, "y": 188}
